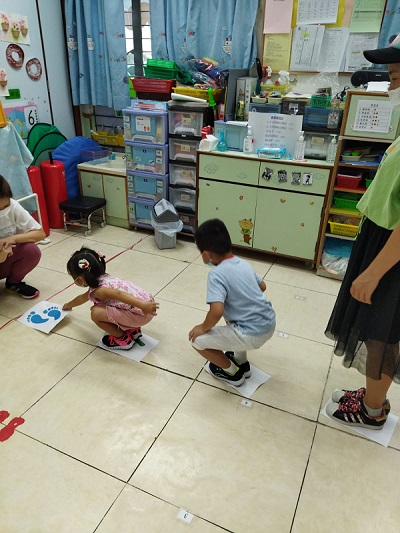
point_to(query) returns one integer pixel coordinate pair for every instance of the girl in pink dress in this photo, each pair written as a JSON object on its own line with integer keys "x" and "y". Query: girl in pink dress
{"x": 119, "y": 307}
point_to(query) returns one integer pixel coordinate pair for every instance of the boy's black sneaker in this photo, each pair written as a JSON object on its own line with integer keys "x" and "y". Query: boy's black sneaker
{"x": 244, "y": 367}
{"x": 22, "y": 289}
{"x": 343, "y": 396}
{"x": 353, "y": 413}
{"x": 235, "y": 379}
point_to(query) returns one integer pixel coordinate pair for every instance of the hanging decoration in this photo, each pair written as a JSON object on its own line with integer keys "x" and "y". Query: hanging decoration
{"x": 14, "y": 28}
{"x": 34, "y": 69}
{"x": 15, "y": 55}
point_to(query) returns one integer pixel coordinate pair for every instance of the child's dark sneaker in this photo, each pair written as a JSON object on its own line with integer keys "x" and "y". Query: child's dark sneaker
{"x": 118, "y": 343}
{"x": 244, "y": 367}
{"x": 353, "y": 413}
{"x": 343, "y": 395}
{"x": 22, "y": 289}
{"x": 235, "y": 379}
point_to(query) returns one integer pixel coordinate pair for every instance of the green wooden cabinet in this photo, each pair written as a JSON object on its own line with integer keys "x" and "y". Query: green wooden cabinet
{"x": 287, "y": 223}
{"x": 113, "y": 189}
{"x": 272, "y": 206}
{"x": 234, "y": 204}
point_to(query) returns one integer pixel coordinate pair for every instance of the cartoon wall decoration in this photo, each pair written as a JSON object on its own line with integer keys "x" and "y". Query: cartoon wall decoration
{"x": 246, "y": 225}
{"x": 14, "y": 28}
{"x": 3, "y": 82}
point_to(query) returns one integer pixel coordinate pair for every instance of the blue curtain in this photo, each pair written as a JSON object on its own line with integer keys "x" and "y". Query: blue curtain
{"x": 97, "y": 52}
{"x": 223, "y": 31}
{"x": 391, "y": 23}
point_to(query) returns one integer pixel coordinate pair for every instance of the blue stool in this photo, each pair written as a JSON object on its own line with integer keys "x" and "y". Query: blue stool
{"x": 84, "y": 206}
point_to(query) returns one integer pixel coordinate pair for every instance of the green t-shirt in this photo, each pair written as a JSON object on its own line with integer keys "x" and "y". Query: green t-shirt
{"x": 381, "y": 202}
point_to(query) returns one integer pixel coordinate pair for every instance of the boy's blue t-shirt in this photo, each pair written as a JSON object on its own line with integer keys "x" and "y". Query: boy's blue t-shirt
{"x": 235, "y": 284}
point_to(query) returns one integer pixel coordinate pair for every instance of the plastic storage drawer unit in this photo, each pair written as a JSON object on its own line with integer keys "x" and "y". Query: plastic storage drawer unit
{"x": 139, "y": 212}
{"x": 183, "y": 198}
{"x": 189, "y": 221}
{"x": 147, "y": 186}
{"x": 146, "y": 126}
{"x": 185, "y": 122}
{"x": 183, "y": 149}
{"x": 146, "y": 157}
{"x": 234, "y": 133}
{"x": 183, "y": 175}
{"x": 315, "y": 117}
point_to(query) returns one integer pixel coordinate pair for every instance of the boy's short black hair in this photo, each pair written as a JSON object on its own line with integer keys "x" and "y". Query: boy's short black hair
{"x": 213, "y": 236}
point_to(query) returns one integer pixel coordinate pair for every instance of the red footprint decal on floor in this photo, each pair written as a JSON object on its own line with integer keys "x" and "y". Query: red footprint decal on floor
{"x": 8, "y": 431}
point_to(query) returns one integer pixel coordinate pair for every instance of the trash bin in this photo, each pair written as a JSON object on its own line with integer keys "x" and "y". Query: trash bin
{"x": 166, "y": 223}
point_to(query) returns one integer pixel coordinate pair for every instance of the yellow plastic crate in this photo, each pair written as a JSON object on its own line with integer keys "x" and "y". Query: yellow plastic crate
{"x": 109, "y": 139}
{"x": 199, "y": 93}
{"x": 343, "y": 229}
{"x": 283, "y": 89}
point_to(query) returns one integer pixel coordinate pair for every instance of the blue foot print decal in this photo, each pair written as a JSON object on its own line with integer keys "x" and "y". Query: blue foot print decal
{"x": 53, "y": 312}
{"x": 35, "y": 318}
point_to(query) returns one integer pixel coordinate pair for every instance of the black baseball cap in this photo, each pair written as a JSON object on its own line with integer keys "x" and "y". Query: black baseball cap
{"x": 385, "y": 55}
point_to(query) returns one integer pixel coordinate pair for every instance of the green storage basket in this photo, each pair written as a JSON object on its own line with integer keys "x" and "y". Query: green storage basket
{"x": 320, "y": 100}
{"x": 344, "y": 200}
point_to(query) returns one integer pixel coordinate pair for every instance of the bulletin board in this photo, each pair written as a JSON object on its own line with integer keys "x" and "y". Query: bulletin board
{"x": 320, "y": 35}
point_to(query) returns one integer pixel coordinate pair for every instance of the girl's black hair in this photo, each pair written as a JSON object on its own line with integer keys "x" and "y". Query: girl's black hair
{"x": 5, "y": 189}
{"x": 213, "y": 236}
{"x": 87, "y": 263}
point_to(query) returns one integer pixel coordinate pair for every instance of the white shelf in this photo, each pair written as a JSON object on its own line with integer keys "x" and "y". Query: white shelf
{"x": 343, "y": 237}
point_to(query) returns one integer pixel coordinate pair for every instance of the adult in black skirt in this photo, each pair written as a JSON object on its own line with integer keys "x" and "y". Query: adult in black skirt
{"x": 365, "y": 321}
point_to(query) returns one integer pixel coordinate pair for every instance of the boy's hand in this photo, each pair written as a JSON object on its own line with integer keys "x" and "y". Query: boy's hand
{"x": 150, "y": 308}
{"x": 196, "y": 332}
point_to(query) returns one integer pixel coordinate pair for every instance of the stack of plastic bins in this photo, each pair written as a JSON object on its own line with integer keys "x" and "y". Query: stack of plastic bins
{"x": 146, "y": 149}
{"x": 186, "y": 120}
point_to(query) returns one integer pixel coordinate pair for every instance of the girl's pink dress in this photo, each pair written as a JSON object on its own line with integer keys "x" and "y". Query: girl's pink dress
{"x": 123, "y": 315}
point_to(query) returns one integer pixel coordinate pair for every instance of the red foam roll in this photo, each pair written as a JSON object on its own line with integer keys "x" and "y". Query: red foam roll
{"x": 55, "y": 190}
{"x": 35, "y": 179}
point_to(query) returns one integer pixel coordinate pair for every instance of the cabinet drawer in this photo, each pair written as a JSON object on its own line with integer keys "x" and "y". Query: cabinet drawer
{"x": 292, "y": 177}
{"x": 225, "y": 168}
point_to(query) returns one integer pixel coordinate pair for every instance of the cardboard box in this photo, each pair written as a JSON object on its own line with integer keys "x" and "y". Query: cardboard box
{"x": 245, "y": 89}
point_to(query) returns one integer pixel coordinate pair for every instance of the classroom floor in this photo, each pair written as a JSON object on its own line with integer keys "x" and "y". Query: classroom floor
{"x": 111, "y": 445}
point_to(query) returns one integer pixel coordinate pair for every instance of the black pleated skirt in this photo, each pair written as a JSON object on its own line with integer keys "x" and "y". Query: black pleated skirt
{"x": 367, "y": 336}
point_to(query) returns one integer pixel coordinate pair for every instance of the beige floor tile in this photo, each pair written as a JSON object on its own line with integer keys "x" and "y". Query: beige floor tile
{"x": 301, "y": 312}
{"x": 55, "y": 237}
{"x": 348, "y": 378}
{"x": 32, "y": 362}
{"x": 306, "y": 279}
{"x": 298, "y": 369}
{"x": 351, "y": 485}
{"x": 151, "y": 272}
{"x": 49, "y": 282}
{"x": 185, "y": 250}
{"x": 171, "y": 327}
{"x": 3, "y": 320}
{"x": 214, "y": 452}
{"x": 45, "y": 491}
{"x": 135, "y": 510}
{"x": 122, "y": 237}
{"x": 56, "y": 257}
{"x": 189, "y": 288}
{"x": 107, "y": 411}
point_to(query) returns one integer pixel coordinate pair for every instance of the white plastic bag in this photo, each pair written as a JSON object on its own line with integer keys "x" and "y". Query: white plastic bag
{"x": 168, "y": 228}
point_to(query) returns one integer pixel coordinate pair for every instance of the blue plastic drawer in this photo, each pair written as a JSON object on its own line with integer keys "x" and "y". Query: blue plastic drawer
{"x": 265, "y": 108}
{"x": 315, "y": 117}
{"x": 147, "y": 186}
{"x": 145, "y": 126}
{"x": 146, "y": 157}
{"x": 139, "y": 212}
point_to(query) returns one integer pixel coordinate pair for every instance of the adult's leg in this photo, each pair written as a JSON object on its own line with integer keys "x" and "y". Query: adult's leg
{"x": 25, "y": 258}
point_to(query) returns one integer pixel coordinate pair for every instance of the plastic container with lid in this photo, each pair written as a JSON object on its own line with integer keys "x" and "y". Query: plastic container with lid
{"x": 145, "y": 126}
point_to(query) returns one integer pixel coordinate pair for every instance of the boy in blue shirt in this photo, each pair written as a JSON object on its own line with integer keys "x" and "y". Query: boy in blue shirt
{"x": 234, "y": 292}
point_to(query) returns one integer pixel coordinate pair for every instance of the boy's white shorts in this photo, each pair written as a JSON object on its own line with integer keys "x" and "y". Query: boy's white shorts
{"x": 228, "y": 338}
